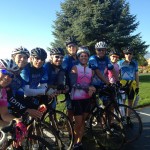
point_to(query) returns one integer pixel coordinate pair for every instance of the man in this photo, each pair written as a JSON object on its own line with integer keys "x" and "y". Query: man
{"x": 100, "y": 63}
{"x": 129, "y": 74}
{"x": 68, "y": 62}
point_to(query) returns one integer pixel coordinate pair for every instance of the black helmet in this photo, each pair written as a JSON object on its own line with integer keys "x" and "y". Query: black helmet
{"x": 70, "y": 40}
{"x": 128, "y": 50}
{"x": 20, "y": 50}
{"x": 57, "y": 50}
{"x": 39, "y": 52}
{"x": 113, "y": 52}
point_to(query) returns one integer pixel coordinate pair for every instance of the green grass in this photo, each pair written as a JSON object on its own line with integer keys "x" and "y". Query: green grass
{"x": 144, "y": 91}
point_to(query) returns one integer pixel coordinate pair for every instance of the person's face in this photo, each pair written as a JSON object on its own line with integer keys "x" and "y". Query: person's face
{"x": 5, "y": 77}
{"x": 37, "y": 62}
{"x": 128, "y": 56}
{"x": 101, "y": 52}
{"x": 56, "y": 60}
{"x": 114, "y": 58}
{"x": 83, "y": 58}
{"x": 72, "y": 49}
{"x": 21, "y": 60}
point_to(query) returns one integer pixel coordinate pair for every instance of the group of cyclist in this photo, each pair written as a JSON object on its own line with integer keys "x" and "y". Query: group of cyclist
{"x": 24, "y": 86}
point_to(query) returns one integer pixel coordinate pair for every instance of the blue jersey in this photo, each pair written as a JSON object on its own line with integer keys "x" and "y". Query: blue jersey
{"x": 103, "y": 64}
{"x": 68, "y": 63}
{"x": 17, "y": 85}
{"x": 128, "y": 70}
{"x": 33, "y": 76}
{"x": 56, "y": 75}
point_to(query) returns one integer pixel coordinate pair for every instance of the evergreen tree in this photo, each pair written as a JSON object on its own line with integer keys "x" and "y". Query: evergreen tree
{"x": 93, "y": 20}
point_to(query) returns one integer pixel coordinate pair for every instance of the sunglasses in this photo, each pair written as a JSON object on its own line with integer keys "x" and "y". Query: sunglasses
{"x": 100, "y": 50}
{"x": 71, "y": 45}
{"x": 56, "y": 56}
{"x": 37, "y": 58}
{"x": 114, "y": 56}
{"x": 128, "y": 53}
{"x": 6, "y": 72}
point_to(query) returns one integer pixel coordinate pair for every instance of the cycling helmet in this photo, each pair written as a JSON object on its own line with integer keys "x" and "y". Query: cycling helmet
{"x": 128, "y": 50}
{"x": 20, "y": 50}
{"x": 55, "y": 51}
{"x": 9, "y": 65}
{"x": 39, "y": 52}
{"x": 100, "y": 44}
{"x": 113, "y": 52}
{"x": 70, "y": 40}
{"x": 83, "y": 49}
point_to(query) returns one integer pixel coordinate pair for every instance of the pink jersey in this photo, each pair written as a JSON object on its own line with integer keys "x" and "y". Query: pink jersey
{"x": 110, "y": 74}
{"x": 84, "y": 78}
{"x": 3, "y": 97}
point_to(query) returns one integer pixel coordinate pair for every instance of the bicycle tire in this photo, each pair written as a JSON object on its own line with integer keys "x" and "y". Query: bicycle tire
{"x": 29, "y": 143}
{"x": 63, "y": 125}
{"x": 132, "y": 124}
{"x": 50, "y": 134}
{"x": 107, "y": 134}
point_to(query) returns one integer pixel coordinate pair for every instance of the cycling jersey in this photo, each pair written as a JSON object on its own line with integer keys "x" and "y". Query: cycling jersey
{"x": 3, "y": 97}
{"x": 68, "y": 63}
{"x": 35, "y": 80}
{"x": 56, "y": 75}
{"x": 128, "y": 70}
{"x": 110, "y": 73}
{"x": 84, "y": 78}
{"x": 17, "y": 85}
{"x": 103, "y": 64}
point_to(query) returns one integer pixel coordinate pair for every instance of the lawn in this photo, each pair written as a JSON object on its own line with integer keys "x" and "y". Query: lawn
{"x": 144, "y": 91}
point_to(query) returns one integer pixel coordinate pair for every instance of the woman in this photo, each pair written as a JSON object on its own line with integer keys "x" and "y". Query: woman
{"x": 82, "y": 90}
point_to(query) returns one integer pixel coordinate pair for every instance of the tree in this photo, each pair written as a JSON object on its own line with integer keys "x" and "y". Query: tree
{"x": 94, "y": 20}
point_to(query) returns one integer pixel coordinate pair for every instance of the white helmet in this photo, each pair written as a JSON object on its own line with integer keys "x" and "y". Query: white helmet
{"x": 21, "y": 50}
{"x": 83, "y": 49}
{"x": 9, "y": 65}
{"x": 100, "y": 44}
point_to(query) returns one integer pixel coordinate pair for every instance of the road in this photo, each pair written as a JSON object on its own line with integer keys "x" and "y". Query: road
{"x": 143, "y": 143}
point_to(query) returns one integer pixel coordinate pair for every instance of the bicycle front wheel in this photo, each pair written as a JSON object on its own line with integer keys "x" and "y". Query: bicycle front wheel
{"x": 107, "y": 129}
{"x": 131, "y": 121}
{"x": 63, "y": 125}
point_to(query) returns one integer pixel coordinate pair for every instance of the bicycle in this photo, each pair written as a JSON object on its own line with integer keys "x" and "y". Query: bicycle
{"x": 106, "y": 128}
{"x": 60, "y": 121}
{"x": 8, "y": 135}
{"x": 131, "y": 121}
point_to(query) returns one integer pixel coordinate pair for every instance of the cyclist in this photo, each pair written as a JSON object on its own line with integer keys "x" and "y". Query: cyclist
{"x": 7, "y": 67}
{"x": 56, "y": 75}
{"x": 114, "y": 56}
{"x": 68, "y": 62}
{"x": 35, "y": 79}
{"x": 100, "y": 63}
{"x": 17, "y": 104}
{"x": 82, "y": 90}
{"x": 129, "y": 74}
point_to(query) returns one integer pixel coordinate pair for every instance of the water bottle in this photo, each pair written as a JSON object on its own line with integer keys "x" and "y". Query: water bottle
{"x": 136, "y": 101}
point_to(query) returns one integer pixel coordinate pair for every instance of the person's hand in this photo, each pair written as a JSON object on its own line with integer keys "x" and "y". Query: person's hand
{"x": 137, "y": 91}
{"x": 92, "y": 90}
{"x": 51, "y": 92}
{"x": 34, "y": 113}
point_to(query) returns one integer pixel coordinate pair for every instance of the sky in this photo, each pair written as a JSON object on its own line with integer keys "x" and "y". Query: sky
{"x": 28, "y": 23}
